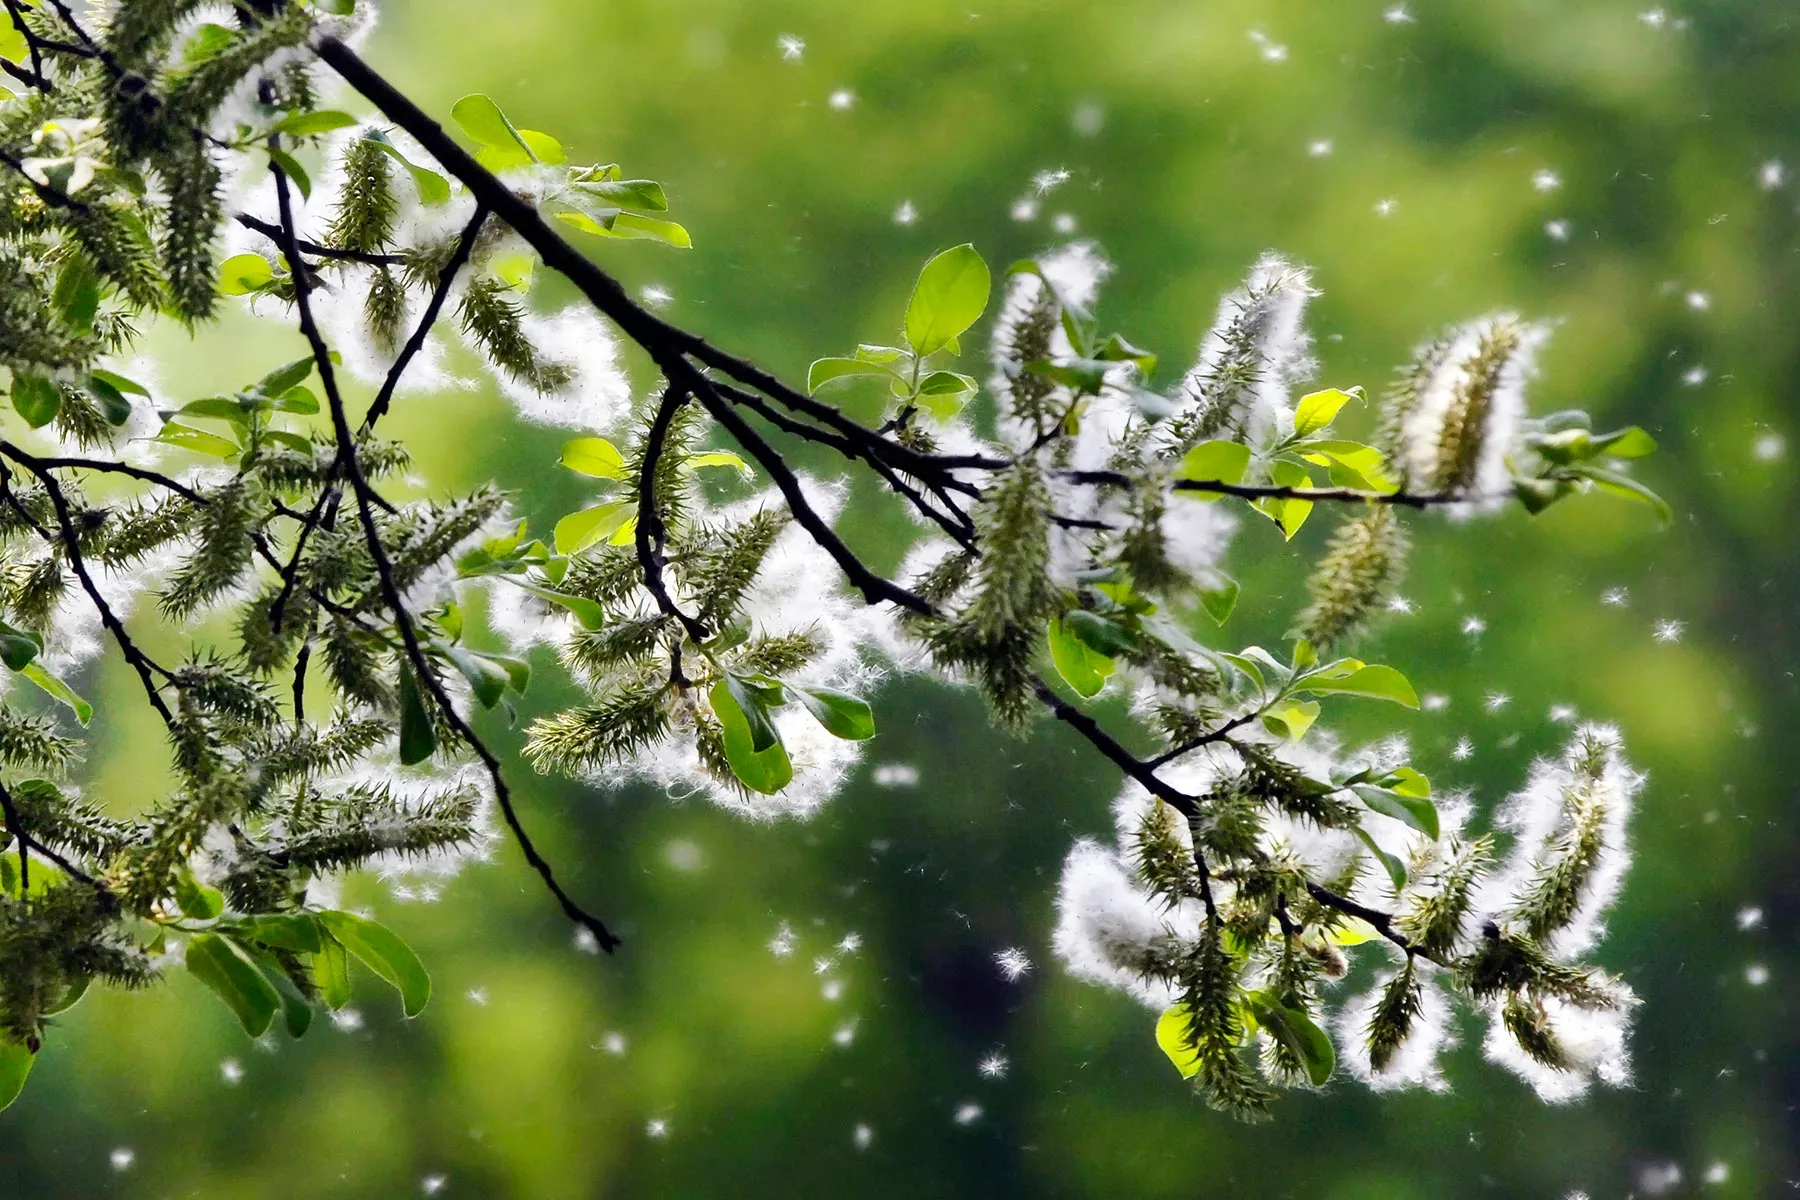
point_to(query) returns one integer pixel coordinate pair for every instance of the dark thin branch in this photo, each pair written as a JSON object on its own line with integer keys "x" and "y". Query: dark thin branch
{"x": 1383, "y": 922}
{"x": 315, "y": 249}
{"x": 650, "y": 532}
{"x": 415, "y": 653}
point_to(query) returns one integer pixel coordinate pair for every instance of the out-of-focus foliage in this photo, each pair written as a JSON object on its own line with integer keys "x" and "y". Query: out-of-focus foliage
{"x": 1583, "y": 163}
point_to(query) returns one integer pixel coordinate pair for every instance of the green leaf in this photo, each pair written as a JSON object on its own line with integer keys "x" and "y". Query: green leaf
{"x": 1396, "y": 870}
{"x": 1630, "y": 442}
{"x": 878, "y": 354}
{"x": 77, "y": 293}
{"x": 944, "y": 393}
{"x": 310, "y": 124}
{"x": 593, "y": 456}
{"x": 15, "y": 1067}
{"x": 433, "y": 188}
{"x": 36, "y": 397}
{"x": 950, "y": 296}
{"x": 297, "y": 931}
{"x": 843, "y": 715}
{"x": 1289, "y": 514}
{"x": 18, "y": 647}
{"x": 1292, "y": 720}
{"x": 619, "y": 224}
{"x": 1082, "y": 667}
{"x": 383, "y": 952}
{"x": 767, "y": 771}
{"x": 285, "y": 378}
{"x": 222, "y": 965}
{"x": 589, "y": 613}
{"x": 1624, "y": 486}
{"x": 196, "y": 900}
{"x": 591, "y": 526}
{"x": 646, "y": 194}
{"x": 718, "y": 458}
{"x": 84, "y": 712}
{"x": 173, "y": 433}
{"x": 296, "y": 1012}
{"x": 1085, "y": 375}
{"x": 1220, "y": 601}
{"x": 825, "y": 370}
{"x": 219, "y": 408}
{"x": 1174, "y": 1033}
{"x": 242, "y": 274}
{"x": 1352, "y": 931}
{"x": 111, "y": 402}
{"x": 1319, "y": 409}
{"x": 418, "y": 741}
{"x": 298, "y": 400}
{"x": 487, "y": 679}
{"x": 129, "y": 387}
{"x": 331, "y": 972}
{"x": 291, "y": 167}
{"x": 1378, "y": 683}
{"x": 482, "y": 120}
{"x": 1296, "y": 1031}
{"x": 1407, "y": 782}
{"x": 752, "y": 703}
{"x": 1101, "y": 635}
{"x": 1213, "y": 462}
{"x": 1117, "y": 349}
{"x": 1418, "y": 812}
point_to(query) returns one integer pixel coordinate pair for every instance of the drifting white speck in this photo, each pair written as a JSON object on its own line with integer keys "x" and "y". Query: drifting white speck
{"x": 655, "y": 295}
{"x": 842, "y": 100}
{"x": 1756, "y": 974}
{"x": 823, "y": 964}
{"x": 613, "y": 1043}
{"x": 1562, "y": 714}
{"x": 231, "y": 1071}
{"x": 1655, "y": 18}
{"x": 1320, "y": 148}
{"x": 1699, "y": 301}
{"x": 1463, "y": 750}
{"x": 782, "y": 944}
{"x": 1063, "y": 223}
{"x": 1749, "y": 918}
{"x": 1271, "y": 51}
{"x": 1386, "y": 207}
{"x": 967, "y": 1114}
{"x": 1496, "y": 701}
{"x": 1088, "y": 119}
{"x": 1474, "y": 626}
{"x": 895, "y": 775}
{"x": 862, "y": 1137}
{"x": 845, "y": 1035}
{"x": 850, "y": 943}
{"x": 431, "y": 1185}
{"x": 1045, "y": 182}
{"x": 1695, "y": 376}
{"x": 585, "y": 941}
{"x": 1717, "y": 1172}
{"x": 477, "y": 996}
{"x": 1014, "y": 964}
{"x": 1616, "y": 597}
{"x": 1396, "y": 14}
{"x": 1435, "y": 702}
{"x": 994, "y": 1066}
{"x": 833, "y": 990}
{"x": 1400, "y": 604}
{"x": 1558, "y": 230}
{"x": 347, "y": 1019}
{"x": 1577, "y": 1194}
{"x": 791, "y": 47}
{"x": 1657, "y": 1178}
{"x": 656, "y": 1127}
{"x": 1668, "y": 631}
{"x": 1769, "y": 447}
{"x": 122, "y": 1158}
{"x": 1772, "y": 174}
{"x": 906, "y": 214}
{"x": 1546, "y": 180}
{"x": 1025, "y": 209}
{"x": 684, "y": 855}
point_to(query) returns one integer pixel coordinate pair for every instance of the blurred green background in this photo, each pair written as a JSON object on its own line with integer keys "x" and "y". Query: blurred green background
{"x": 1616, "y": 170}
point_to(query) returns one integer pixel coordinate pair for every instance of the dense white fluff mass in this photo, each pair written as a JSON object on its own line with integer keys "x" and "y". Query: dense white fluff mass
{"x": 597, "y": 397}
{"x": 1104, "y": 921}
{"x": 1415, "y": 1062}
{"x": 1472, "y": 401}
{"x": 1076, "y": 272}
{"x": 1594, "y": 1042}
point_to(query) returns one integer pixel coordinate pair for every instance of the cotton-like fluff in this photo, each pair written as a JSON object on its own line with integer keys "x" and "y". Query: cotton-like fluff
{"x": 1457, "y": 418}
{"x": 1257, "y": 351}
{"x": 597, "y": 396}
{"x": 1029, "y": 328}
{"x": 1594, "y": 1042}
{"x": 1417, "y": 1061}
{"x": 1570, "y": 844}
{"x": 413, "y": 787}
{"x": 1105, "y": 921}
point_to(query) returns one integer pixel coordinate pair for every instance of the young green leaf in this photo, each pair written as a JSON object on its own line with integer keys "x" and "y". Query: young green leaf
{"x": 433, "y": 188}
{"x": 60, "y": 691}
{"x": 298, "y": 931}
{"x": 487, "y": 678}
{"x": 1379, "y": 683}
{"x": 950, "y": 296}
{"x": 331, "y": 972}
{"x": 1213, "y": 462}
{"x": 1297, "y": 1032}
{"x": 290, "y": 166}
{"x": 842, "y": 715}
{"x": 15, "y": 1067}
{"x": 480, "y": 118}
{"x": 36, "y": 398}
{"x": 383, "y": 952}
{"x": 186, "y": 437}
{"x": 310, "y": 124}
{"x": 1174, "y": 1035}
{"x": 242, "y": 274}
{"x": 418, "y": 741}
{"x": 593, "y": 456}
{"x": 1319, "y": 409}
{"x": 17, "y": 647}
{"x": 1288, "y": 512}
{"x": 1220, "y": 601}
{"x": 943, "y": 394}
{"x": 222, "y": 965}
{"x": 586, "y": 611}
{"x": 1081, "y": 667}
{"x": 1396, "y": 870}
{"x": 196, "y": 900}
{"x": 718, "y": 458}
{"x": 1292, "y": 720}
{"x": 766, "y": 771}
